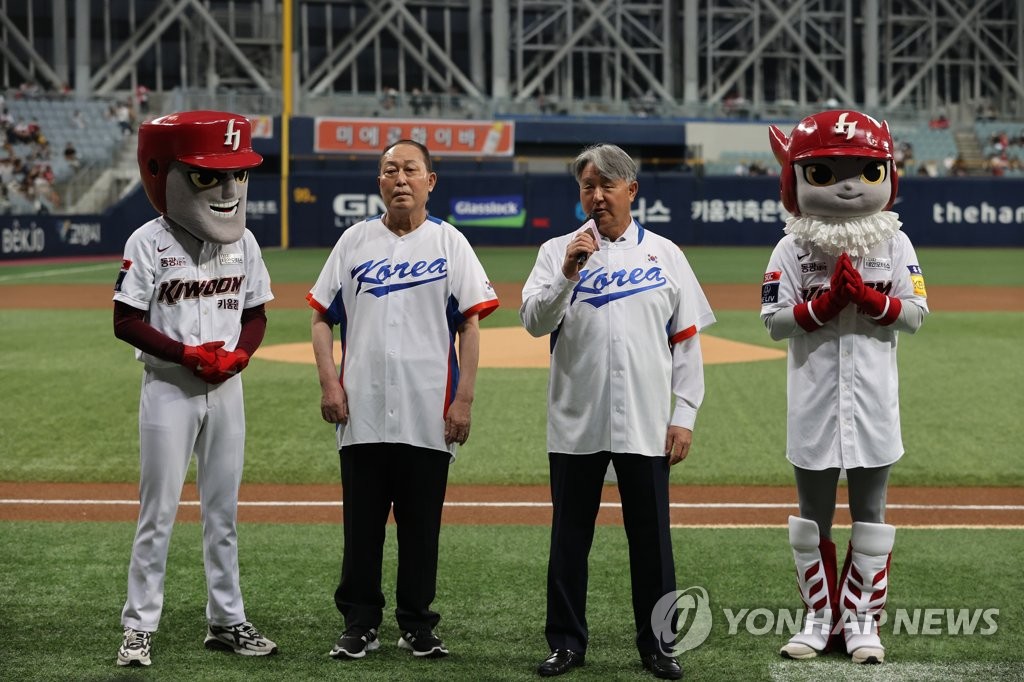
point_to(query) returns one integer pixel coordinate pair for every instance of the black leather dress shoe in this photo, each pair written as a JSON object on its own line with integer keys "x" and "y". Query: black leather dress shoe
{"x": 662, "y": 666}
{"x": 560, "y": 662}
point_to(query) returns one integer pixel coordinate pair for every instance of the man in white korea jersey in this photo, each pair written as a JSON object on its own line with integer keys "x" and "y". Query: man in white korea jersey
{"x": 400, "y": 287}
{"x": 190, "y": 297}
{"x": 840, "y": 286}
{"x": 623, "y": 309}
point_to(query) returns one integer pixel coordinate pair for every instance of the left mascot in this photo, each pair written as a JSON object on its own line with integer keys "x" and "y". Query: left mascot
{"x": 190, "y": 298}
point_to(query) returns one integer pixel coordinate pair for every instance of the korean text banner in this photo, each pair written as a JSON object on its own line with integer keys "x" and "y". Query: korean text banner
{"x": 442, "y": 137}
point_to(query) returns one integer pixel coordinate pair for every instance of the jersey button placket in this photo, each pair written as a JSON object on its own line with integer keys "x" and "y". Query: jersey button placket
{"x": 617, "y": 320}
{"x": 847, "y": 336}
{"x": 393, "y": 311}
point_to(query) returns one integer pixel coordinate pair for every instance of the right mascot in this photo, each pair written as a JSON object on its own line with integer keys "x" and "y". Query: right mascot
{"x": 840, "y": 285}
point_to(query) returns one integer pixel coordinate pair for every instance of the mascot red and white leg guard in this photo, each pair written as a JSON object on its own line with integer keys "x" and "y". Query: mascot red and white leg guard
{"x": 815, "y": 559}
{"x": 864, "y": 588}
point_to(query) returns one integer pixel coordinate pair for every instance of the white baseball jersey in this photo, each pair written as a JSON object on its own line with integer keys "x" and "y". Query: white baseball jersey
{"x": 843, "y": 385}
{"x": 399, "y": 302}
{"x": 191, "y": 301}
{"x": 617, "y": 343}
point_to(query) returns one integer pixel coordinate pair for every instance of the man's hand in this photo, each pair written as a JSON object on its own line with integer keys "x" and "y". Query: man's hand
{"x": 677, "y": 444}
{"x": 457, "y": 422}
{"x": 334, "y": 403}
{"x": 582, "y": 244}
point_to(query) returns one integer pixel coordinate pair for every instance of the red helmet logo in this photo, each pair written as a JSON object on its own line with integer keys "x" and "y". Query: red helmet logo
{"x": 830, "y": 133}
{"x": 215, "y": 140}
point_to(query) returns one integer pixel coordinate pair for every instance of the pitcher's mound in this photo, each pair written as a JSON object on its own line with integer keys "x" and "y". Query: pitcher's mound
{"x": 514, "y": 347}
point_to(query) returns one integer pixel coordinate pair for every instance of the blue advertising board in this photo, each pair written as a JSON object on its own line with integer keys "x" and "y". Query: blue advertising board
{"x": 504, "y": 208}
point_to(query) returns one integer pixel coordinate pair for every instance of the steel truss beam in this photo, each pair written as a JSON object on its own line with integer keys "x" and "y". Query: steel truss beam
{"x": 889, "y": 55}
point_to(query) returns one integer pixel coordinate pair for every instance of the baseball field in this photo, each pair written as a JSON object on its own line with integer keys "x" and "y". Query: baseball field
{"x": 69, "y": 466}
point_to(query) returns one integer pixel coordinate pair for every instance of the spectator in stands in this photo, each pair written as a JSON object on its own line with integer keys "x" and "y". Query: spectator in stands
{"x": 646, "y": 105}
{"x": 142, "y": 99}
{"x": 419, "y": 102}
{"x": 999, "y": 140}
{"x": 71, "y": 155}
{"x": 545, "y": 105}
{"x": 940, "y": 122}
{"x": 390, "y": 99}
{"x": 958, "y": 167}
{"x": 997, "y": 164}
{"x": 756, "y": 168}
{"x": 20, "y": 133}
{"x": 28, "y": 90}
{"x": 5, "y": 200}
{"x": 77, "y": 120}
{"x": 454, "y": 100}
{"x": 123, "y": 114}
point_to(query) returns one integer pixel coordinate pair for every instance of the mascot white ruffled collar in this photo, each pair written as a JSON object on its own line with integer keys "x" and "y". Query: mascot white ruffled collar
{"x": 195, "y": 169}
{"x": 838, "y": 181}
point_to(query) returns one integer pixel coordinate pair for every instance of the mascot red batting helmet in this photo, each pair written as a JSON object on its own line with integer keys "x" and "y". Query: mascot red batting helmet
{"x": 830, "y": 133}
{"x": 214, "y": 140}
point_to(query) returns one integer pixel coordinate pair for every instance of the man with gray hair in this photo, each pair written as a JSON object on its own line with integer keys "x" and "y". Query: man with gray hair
{"x": 623, "y": 309}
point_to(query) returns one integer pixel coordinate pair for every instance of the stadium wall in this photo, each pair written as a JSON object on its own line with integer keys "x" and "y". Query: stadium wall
{"x": 495, "y": 205}
{"x": 525, "y": 209}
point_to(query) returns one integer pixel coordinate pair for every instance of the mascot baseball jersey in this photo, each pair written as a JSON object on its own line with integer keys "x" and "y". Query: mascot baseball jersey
{"x": 637, "y": 288}
{"x": 192, "y": 302}
{"x": 851, "y": 356}
{"x": 399, "y": 302}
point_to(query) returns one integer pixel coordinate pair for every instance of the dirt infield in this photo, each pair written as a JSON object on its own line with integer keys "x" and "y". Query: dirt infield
{"x": 518, "y": 505}
{"x": 721, "y": 296}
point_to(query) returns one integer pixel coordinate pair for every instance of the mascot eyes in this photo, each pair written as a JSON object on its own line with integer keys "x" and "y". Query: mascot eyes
{"x": 819, "y": 175}
{"x": 873, "y": 174}
{"x": 205, "y": 179}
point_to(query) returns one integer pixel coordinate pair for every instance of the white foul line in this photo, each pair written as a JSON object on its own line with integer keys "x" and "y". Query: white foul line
{"x": 527, "y": 505}
{"x": 56, "y": 272}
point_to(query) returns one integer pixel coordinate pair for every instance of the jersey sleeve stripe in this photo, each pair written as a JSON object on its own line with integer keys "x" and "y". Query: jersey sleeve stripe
{"x": 483, "y": 309}
{"x": 315, "y": 304}
{"x": 683, "y": 335}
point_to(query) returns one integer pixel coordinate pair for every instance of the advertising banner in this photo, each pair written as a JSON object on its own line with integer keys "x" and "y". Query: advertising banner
{"x": 498, "y": 208}
{"x": 444, "y": 137}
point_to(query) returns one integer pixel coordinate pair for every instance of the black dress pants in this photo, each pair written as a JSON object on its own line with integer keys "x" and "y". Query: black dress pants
{"x": 576, "y": 484}
{"x": 376, "y": 479}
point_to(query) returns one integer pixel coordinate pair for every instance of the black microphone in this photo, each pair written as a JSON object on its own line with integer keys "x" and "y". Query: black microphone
{"x": 581, "y": 259}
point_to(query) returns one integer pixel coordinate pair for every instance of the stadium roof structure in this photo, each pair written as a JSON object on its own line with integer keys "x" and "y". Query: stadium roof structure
{"x": 745, "y": 58}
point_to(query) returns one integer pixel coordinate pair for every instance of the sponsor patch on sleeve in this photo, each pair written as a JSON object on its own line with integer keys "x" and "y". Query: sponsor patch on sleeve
{"x": 772, "y": 277}
{"x": 917, "y": 279}
{"x": 125, "y": 265}
{"x": 769, "y": 293}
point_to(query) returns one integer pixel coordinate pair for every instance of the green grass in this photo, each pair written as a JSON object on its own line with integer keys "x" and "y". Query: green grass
{"x": 68, "y": 410}
{"x": 60, "y": 603}
{"x": 69, "y": 413}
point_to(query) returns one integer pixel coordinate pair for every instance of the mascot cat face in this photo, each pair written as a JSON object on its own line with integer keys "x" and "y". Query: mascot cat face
{"x": 842, "y": 186}
{"x": 845, "y": 154}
